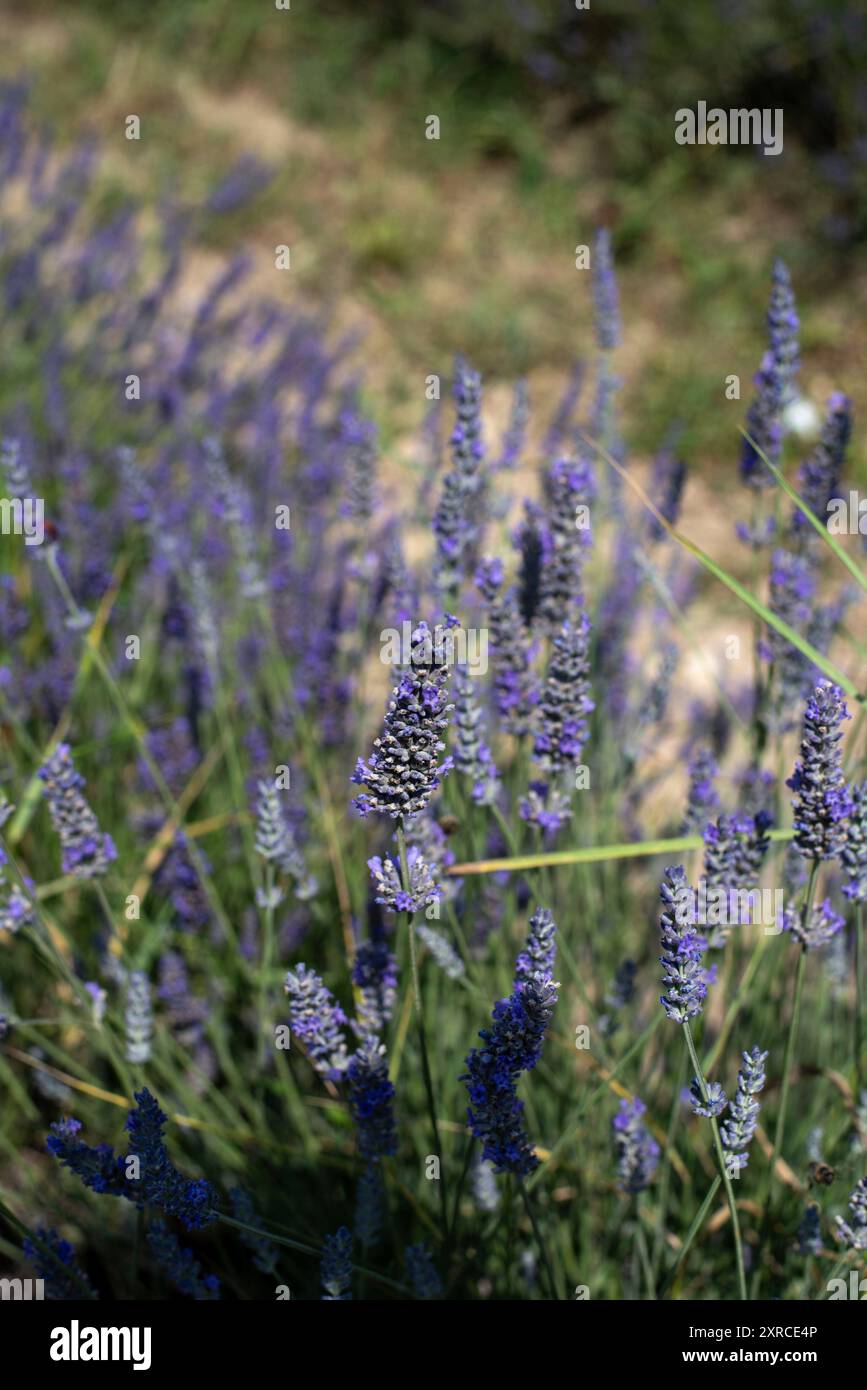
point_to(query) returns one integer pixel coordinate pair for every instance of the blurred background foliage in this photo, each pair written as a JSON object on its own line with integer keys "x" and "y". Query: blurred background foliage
{"x": 553, "y": 120}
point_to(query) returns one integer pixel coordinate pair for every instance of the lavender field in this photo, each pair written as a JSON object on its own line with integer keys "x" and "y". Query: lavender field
{"x": 433, "y": 817}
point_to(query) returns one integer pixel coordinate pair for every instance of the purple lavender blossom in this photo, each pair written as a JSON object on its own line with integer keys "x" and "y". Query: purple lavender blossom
{"x": 65, "y": 1280}
{"x": 86, "y": 852}
{"x": 824, "y": 925}
{"x": 404, "y": 770}
{"x": 564, "y": 701}
{"x": 606, "y": 304}
{"x": 472, "y": 756}
{"x": 540, "y": 949}
{"x": 774, "y": 382}
{"x": 853, "y": 1233}
{"x": 512, "y": 651}
{"x": 853, "y": 855}
{"x": 371, "y": 1098}
{"x": 637, "y": 1150}
{"x": 822, "y": 802}
{"x": 820, "y": 473}
{"x": 569, "y": 489}
{"x": 703, "y": 797}
{"x": 390, "y": 892}
{"x": 739, "y": 1126}
{"x": 512, "y": 1044}
{"x": 683, "y": 976}
{"x": 710, "y": 1105}
{"x": 374, "y": 976}
{"x": 316, "y": 1019}
{"x": 422, "y": 1272}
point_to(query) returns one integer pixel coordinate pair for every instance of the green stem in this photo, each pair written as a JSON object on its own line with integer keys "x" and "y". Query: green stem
{"x": 791, "y": 1038}
{"x": 698, "y": 1222}
{"x": 724, "y": 1173}
{"x": 543, "y": 1249}
{"x": 422, "y": 1038}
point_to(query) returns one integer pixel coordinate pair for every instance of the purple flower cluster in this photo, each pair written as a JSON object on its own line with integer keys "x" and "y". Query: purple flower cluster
{"x": 822, "y": 801}
{"x": 512, "y": 1045}
{"x": 739, "y": 1126}
{"x": 404, "y": 769}
{"x": 683, "y": 975}
{"x": 637, "y": 1150}
{"x": 86, "y": 851}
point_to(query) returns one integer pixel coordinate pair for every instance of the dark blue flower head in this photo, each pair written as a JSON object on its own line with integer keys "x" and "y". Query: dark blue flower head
{"x": 822, "y": 801}
{"x": 371, "y": 1100}
{"x": 513, "y": 1044}
{"x": 180, "y": 1266}
{"x": 65, "y": 1280}
{"x": 374, "y": 975}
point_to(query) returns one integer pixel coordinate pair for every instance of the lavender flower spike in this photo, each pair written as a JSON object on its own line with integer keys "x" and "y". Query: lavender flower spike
{"x": 86, "y": 852}
{"x": 371, "y": 1097}
{"x": 317, "y": 1019}
{"x": 511, "y": 1045}
{"x": 684, "y": 979}
{"x": 637, "y": 1150}
{"x": 854, "y": 853}
{"x": 336, "y": 1268}
{"x": 854, "y": 1232}
{"x": 404, "y": 769}
{"x": 822, "y": 801}
{"x": 737, "y": 1130}
{"x": 605, "y": 296}
{"x": 540, "y": 948}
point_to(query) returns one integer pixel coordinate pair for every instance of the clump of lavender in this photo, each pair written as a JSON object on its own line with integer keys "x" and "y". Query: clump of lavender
{"x": 823, "y": 926}
{"x": 822, "y": 802}
{"x": 820, "y": 473}
{"x": 65, "y": 1280}
{"x": 138, "y": 1018}
{"x": 374, "y": 975}
{"x": 637, "y": 1151}
{"x": 854, "y": 1231}
{"x": 739, "y": 1126}
{"x": 86, "y": 851}
{"x": 442, "y": 951}
{"x": 335, "y": 1270}
{"x": 390, "y": 892}
{"x": 404, "y": 769}
{"x": 774, "y": 381}
{"x": 180, "y": 1266}
{"x": 703, "y": 797}
{"x": 683, "y": 976}
{"x": 472, "y": 756}
{"x": 422, "y": 1272}
{"x": 317, "y": 1020}
{"x": 371, "y": 1097}
{"x": 512, "y": 1045}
